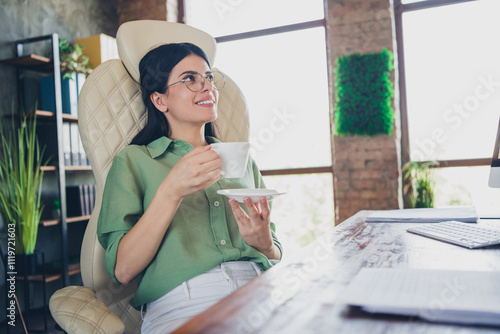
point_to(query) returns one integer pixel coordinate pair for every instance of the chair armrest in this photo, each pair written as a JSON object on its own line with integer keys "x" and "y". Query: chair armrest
{"x": 76, "y": 309}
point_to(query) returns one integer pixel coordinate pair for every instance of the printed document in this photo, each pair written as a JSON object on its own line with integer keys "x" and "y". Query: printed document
{"x": 451, "y": 296}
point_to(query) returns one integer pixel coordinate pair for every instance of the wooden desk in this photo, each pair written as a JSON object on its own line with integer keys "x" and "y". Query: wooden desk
{"x": 300, "y": 295}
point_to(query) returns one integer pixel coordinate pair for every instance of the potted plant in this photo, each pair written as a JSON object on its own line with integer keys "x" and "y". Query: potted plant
{"x": 21, "y": 176}
{"x": 417, "y": 189}
{"x": 72, "y": 59}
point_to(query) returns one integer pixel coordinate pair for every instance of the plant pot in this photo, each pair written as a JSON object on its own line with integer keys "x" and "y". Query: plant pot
{"x": 27, "y": 264}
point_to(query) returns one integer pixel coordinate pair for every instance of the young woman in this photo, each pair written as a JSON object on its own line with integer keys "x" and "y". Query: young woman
{"x": 162, "y": 221}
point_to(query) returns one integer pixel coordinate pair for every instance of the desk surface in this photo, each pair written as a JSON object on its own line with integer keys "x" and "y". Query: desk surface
{"x": 300, "y": 295}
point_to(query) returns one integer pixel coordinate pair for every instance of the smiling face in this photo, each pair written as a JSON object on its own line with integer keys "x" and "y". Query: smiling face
{"x": 186, "y": 110}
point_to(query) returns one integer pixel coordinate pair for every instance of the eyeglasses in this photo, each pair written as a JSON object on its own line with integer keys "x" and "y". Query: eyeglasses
{"x": 195, "y": 82}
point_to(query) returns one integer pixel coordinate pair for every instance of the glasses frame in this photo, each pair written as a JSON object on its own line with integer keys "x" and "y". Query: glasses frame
{"x": 203, "y": 77}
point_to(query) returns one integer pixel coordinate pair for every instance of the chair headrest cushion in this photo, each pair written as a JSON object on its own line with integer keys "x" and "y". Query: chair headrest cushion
{"x": 136, "y": 38}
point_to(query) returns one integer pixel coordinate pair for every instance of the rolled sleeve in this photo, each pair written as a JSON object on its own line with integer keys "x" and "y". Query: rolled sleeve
{"x": 113, "y": 240}
{"x": 121, "y": 209}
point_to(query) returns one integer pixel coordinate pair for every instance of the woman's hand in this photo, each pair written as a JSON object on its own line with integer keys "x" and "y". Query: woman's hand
{"x": 254, "y": 226}
{"x": 196, "y": 171}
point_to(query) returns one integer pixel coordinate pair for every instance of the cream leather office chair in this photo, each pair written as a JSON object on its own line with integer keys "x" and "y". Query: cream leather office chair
{"x": 111, "y": 113}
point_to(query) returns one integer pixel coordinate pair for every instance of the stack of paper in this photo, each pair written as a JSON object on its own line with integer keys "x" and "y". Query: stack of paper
{"x": 467, "y": 297}
{"x": 466, "y": 214}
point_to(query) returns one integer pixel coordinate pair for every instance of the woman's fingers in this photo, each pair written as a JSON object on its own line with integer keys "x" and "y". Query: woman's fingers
{"x": 254, "y": 226}
{"x": 258, "y": 209}
{"x": 238, "y": 212}
{"x": 257, "y": 212}
{"x": 210, "y": 165}
{"x": 253, "y": 209}
{"x": 200, "y": 155}
{"x": 197, "y": 150}
{"x": 201, "y": 162}
{"x": 197, "y": 170}
{"x": 265, "y": 209}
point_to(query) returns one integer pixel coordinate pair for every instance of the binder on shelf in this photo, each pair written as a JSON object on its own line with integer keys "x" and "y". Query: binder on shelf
{"x": 91, "y": 197}
{"x": 75, "y": 145}
{"x": 70, "y": 91}
{"x": 86, "y": 199}
{"x": 75, "y": 205}
{"x": 81, "y": 151}
{"x": 66, "y": 138}
{"x": 80, "y": 199}
{"x": 80, "y": 80}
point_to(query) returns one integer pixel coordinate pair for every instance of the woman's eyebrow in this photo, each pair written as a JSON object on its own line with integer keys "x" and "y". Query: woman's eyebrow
{"x": 194, "y": 72}
{"x": 187, "y": 72}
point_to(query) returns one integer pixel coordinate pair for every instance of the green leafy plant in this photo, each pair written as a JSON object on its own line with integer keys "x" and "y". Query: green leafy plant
{"x": 364, "y": 94}
{"x": 418, "y": 186}
{"x": 21, "y": 176}
{"x": 72, "y": 59}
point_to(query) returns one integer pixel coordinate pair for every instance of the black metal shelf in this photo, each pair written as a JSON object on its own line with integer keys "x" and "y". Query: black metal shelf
{"x": 48, "y": 65}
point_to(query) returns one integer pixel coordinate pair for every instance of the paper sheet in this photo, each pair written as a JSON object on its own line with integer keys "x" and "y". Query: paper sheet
{"x": 466, "y": 214}
{"x": 470, "y": 297}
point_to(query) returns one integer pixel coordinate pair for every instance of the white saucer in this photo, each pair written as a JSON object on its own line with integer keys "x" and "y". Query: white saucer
{"x": 254, "y": 194}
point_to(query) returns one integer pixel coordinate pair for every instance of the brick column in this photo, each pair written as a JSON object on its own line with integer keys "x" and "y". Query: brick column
{"x": 131, "y": 10}
{"x": 366, "y": 169}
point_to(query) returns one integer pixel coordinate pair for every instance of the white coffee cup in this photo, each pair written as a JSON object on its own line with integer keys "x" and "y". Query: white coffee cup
{"x": 234, "y": 157}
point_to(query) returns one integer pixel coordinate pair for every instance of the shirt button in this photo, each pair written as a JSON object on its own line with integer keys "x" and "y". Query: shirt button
{"x": 223, "y": 242}
{"x": 216, "y": 203}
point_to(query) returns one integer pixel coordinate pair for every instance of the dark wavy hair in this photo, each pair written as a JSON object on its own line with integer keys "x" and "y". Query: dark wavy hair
{"x": 155, "y": 68}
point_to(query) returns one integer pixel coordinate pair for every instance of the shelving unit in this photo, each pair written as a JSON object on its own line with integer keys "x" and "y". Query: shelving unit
{"x": 62, "y": 268}
{"x": 51, "y": 65}
{"x": 53, "y": 222}
{"x": 73, "y": 269}
{"x": 31, "y": 61}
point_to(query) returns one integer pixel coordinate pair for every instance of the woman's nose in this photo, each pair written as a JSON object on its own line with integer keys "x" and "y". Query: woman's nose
{"x": 208, "y": 85}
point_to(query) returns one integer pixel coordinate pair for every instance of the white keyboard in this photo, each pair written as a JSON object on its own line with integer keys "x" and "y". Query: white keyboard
{"x": 468, "y": 235}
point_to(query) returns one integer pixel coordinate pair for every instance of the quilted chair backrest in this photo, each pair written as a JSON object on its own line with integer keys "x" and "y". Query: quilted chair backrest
{"x": 111, "y": 113}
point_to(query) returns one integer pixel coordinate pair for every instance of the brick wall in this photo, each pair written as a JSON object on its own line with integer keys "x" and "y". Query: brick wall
{"x": 366, "y": 175}
{"x": 131, "y": 10}
{"x": 360, "y": 26}
{"x": 366, "y": 169}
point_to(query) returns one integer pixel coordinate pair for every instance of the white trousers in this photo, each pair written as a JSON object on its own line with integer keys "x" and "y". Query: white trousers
{"x": 196, "y": 295}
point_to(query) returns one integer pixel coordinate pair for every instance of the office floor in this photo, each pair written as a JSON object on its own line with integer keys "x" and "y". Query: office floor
{"x": 35, "y": 324}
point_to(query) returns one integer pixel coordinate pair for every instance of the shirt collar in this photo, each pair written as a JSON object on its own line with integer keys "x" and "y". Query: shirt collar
{"x": 158, "y": 146}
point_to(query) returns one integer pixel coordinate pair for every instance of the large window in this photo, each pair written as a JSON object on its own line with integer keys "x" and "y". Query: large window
{"x": 280, "y": 63}
{"x": 451, "y": 93}
{"x": 230, "y": 17}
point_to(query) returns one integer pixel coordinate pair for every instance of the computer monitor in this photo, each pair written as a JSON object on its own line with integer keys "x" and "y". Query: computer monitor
{"x": 494, "y": 181}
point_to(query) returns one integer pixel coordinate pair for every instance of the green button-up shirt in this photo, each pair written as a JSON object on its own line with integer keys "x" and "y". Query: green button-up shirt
{"x": 202, "y": 234}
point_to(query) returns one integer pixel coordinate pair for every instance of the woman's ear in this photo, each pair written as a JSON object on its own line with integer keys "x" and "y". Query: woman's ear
{"x": 159, "y": 101}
